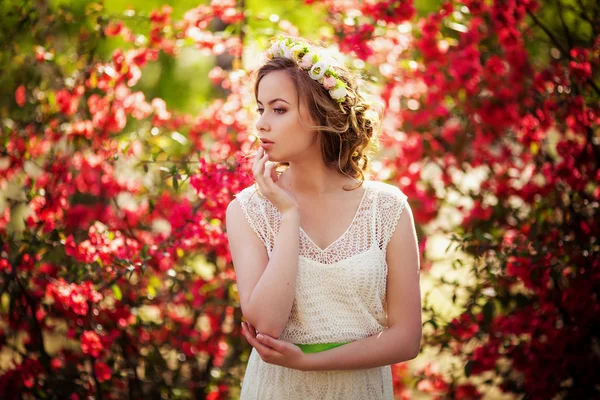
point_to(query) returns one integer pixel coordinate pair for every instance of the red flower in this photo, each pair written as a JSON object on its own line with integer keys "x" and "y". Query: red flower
{"x": 476, "y": 7}
{"x": 113, "y": 29}
{"x": 20, "y": 96}
{"x": 433, "y": 382}
{"x": 67, "y": 101}
{"x": 467, "y": 391}
{"x": 103, "y": 371}
{"x": 463, "y": 328}
{"x": 73, "y": 297}
{"x": 90, "y": 343}
{"x": 4, "y": 265}
{"x": 466, "y": 68}
{"x": 484, "y": 358}
{"x": 357, "y": 42}
{"x": 580, "y": 66}
{"x": 391, "y": 11}
{"x": 57, "y": 363}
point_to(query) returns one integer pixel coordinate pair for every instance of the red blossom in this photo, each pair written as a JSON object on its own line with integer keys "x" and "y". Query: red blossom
{"x": 5, "y": 265}
{"x": 466, "y": 69}
{"x": 433, "y": 382}
{"x": 69, "y": 101}
{"x": 162, "y": 17}
{"x": 390, "y": 11}
{"x": 114, "y": 29}
{"x": 484, "y": 358}
{"x": 579, "y": 65}
{"x": 91, "y": 344}
{"x": 476, "y": 7}
{"x": 467, "y": 391}
{"x": 357, "y": 42}
{"x": 463, "y": 328}
{"x": 103, "y": 371}
{"x": 73, "y": 297}
{"x": 20, "y": 96}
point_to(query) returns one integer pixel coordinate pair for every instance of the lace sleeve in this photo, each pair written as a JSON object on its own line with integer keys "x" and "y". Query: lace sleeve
{"x": 390, "y": 204}
{"x": 254, "y": 210}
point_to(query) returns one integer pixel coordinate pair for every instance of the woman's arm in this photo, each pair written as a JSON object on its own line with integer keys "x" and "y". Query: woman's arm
{"x": 399, "y": 342}
{"x": 391, "y": 346}
{"x": 266, "y": 286}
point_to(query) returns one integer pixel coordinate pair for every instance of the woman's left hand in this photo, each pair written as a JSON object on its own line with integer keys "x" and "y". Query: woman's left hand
{"x": 274, "y": 351}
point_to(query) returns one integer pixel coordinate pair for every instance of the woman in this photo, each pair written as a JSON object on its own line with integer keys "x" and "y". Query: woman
{"x": 327, "y": 264}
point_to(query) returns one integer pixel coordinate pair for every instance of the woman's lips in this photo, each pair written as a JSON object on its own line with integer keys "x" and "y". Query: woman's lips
{"x": 266, "y": 143}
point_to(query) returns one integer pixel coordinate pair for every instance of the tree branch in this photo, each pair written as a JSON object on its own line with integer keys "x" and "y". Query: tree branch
{"x": 35, "y": 326}
{"x": 564, "y": 24}
{"x": 560, "y": 47}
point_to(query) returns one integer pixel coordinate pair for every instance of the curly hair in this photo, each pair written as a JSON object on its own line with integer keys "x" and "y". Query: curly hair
{"x": 348, "y": 131}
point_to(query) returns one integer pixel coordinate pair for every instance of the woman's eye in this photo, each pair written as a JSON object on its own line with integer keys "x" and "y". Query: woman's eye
{"x": 275, "y": 110}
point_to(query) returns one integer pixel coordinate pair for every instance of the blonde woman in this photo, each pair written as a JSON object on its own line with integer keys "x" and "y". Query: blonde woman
{"x": 327, "y": 263}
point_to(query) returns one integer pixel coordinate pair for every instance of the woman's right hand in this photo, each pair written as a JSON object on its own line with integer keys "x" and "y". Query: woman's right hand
{"x": 265, "y": 177}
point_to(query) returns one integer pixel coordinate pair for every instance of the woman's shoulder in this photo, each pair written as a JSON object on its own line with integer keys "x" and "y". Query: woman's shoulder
{"x": 246, "y": 190}
{"x": 247, "y": 196}
{"x": 386, "y": 190}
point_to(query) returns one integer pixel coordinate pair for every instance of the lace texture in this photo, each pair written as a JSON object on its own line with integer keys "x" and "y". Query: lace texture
{"x": 340, "y": 297}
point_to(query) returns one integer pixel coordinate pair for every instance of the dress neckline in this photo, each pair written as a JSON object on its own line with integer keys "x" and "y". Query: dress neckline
{"x": 322, "y": 250}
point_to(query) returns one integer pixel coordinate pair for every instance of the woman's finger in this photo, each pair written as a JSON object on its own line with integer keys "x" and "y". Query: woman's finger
{"x": 263, "y": 350}
{"x": 249, "y": 337}
{"x": 271, "y": 343}
{"x": 257, "y": 156}
{"x": 259, "y": 175}
{"x": 270, "y": 177}
{"x": 260, "y": 153}
{"x": 250, "y": 328}
{"x": 267, "y": 174}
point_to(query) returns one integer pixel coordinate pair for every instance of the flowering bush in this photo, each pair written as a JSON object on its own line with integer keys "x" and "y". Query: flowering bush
{"x": 493, "y": 114}
{"x": 115, "y": 278}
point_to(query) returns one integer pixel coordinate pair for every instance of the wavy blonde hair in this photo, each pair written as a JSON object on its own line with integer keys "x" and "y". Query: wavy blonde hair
{"x": 348, "y": 131}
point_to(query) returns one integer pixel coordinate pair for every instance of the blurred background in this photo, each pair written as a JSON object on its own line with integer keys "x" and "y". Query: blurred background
{"x": 126, "y": 128}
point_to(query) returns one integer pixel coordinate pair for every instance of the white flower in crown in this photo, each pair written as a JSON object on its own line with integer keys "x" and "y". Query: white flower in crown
{"x": 318, "y": 70}
{"x": 296, "y": 50}
{"x": 284, "y": 50}
{"x": 338, "y": 94}
{"x": 287, "y": 53}
{"x": 275, "y": 49}
{"x": 371, "y": 115}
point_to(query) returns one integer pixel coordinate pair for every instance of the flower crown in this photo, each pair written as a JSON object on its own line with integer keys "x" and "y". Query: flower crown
{"x": 319, "y": 67}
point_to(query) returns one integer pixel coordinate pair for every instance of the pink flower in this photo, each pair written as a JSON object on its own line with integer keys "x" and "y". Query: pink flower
{"x": 306, "y": 61}
{"x": 329, "y": 82}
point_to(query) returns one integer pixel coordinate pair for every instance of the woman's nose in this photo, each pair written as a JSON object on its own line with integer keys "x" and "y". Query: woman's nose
{"x": 262, "y": 124}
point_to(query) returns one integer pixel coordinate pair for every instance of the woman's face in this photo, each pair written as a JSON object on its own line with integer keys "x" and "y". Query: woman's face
{"x": 280, "y": 118}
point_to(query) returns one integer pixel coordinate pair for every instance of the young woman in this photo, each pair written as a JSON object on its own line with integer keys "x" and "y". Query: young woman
{"x": 327, "y": 263}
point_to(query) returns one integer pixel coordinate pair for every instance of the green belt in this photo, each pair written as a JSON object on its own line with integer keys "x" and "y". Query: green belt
{"x": 315, "y": 348}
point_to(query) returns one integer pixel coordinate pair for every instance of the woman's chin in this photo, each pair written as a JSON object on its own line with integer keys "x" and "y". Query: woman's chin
{"x": 273, "y": 157}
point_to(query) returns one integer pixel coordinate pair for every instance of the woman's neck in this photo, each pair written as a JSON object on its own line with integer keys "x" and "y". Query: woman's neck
{"x": 314, "y": 180}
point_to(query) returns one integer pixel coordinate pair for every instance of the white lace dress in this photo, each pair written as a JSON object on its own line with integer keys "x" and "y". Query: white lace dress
{"x": 340, "y": 297}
